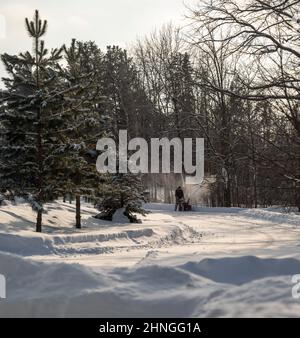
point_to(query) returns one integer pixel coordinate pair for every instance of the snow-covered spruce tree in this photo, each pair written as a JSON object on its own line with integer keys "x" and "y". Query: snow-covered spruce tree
{"x": 85, "y": 123}
{"x": 125, "y": 106}
{"x": 31, "y": 121}
{"x": 18, "y": 135}
{"x": 123, "y": 192}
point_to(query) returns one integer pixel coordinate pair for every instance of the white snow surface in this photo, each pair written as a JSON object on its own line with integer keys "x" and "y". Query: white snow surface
{"x": 119, "y": 217}
{"x": 207, "y": 263}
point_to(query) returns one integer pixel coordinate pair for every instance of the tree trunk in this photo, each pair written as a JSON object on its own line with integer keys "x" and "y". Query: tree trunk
{"x": 39, "y": 221}
{"x": 227, "y": 201}
{"x": 255, "y": 190}
{"x": 39, "y": 143}
{"x": 298, "y": 197}
{"x": 227, "y": 196}
{"x": 78, "y": 216}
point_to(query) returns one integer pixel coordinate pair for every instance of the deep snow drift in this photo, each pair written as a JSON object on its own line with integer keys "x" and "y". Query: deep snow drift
{"x": 208, "y": 263}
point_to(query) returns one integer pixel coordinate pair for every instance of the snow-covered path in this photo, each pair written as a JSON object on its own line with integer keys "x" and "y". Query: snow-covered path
{"x": 210, "y": 263}
{"x": 167, "y": 237}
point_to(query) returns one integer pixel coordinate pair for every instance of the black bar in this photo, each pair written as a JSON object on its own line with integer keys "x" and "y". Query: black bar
{"x": 87, "y": 328}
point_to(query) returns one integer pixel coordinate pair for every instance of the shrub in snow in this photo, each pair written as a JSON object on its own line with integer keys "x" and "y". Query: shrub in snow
{"x": 122, "y": 191}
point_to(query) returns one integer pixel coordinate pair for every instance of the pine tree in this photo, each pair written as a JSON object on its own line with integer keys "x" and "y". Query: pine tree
{"x": 180, "y": 84}
{"x": 122, "y": 191}
{"x": 85, "y": 121}
{"x": 32, "y": 120}
{"x": 127, "y": 104}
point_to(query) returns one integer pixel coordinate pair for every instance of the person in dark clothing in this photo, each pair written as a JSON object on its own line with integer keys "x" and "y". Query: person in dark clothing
{"x": 179, "y": 199}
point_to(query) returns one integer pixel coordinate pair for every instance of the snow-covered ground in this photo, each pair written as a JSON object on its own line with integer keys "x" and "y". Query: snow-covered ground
{"x": 208, "y": 263}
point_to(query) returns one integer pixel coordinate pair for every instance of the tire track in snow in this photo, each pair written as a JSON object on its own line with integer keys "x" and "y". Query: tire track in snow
{"x": 270, "y": 239}
{"x": 181, "y": 234}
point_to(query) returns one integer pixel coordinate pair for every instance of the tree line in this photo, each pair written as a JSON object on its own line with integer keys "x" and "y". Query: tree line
{"x": 230, "y": 76}
{"x": 56, "y": 105}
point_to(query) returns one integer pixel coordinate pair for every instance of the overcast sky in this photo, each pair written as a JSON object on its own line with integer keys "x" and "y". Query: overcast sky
{"x": 107, "y": 22}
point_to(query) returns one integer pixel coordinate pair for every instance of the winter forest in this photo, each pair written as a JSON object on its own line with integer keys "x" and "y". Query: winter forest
{"x": 229, "y": 74}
